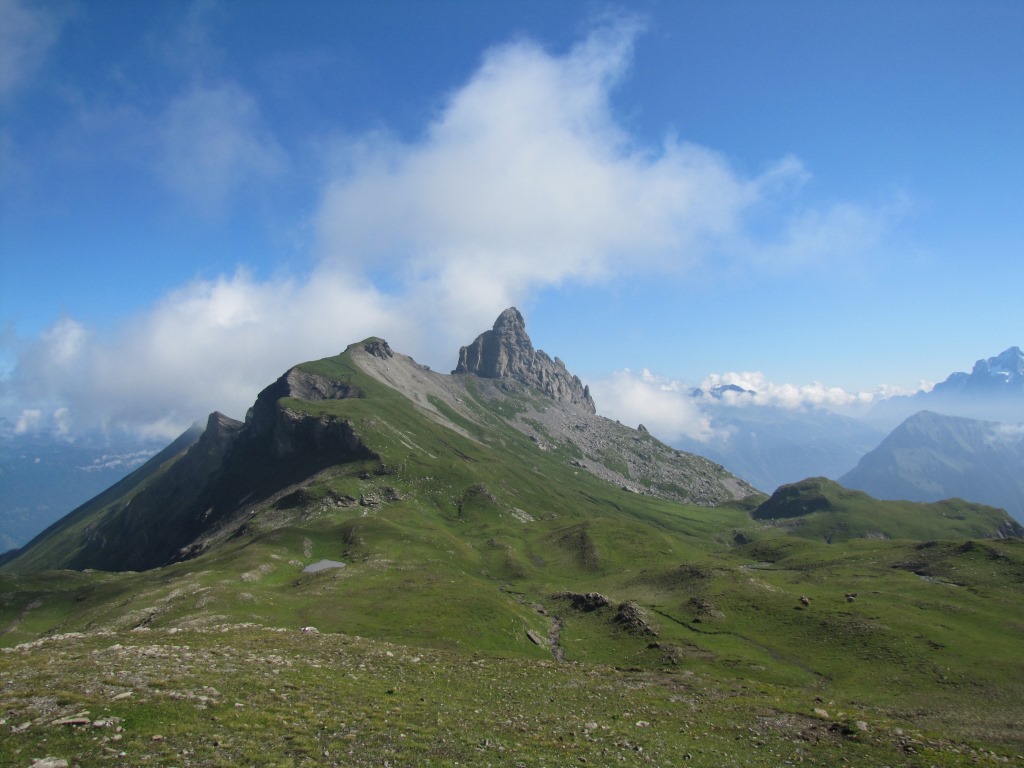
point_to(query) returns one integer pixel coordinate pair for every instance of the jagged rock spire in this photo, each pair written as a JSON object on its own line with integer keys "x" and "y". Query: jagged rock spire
{"x": 506, "y": 351}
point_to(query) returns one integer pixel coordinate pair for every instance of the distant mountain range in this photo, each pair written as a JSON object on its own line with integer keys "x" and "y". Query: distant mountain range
{"x": 769, "y": 446}
{"x": 992, "y": 391}
{"x": 931, "y": 457}
{"x": 967, "y": 437}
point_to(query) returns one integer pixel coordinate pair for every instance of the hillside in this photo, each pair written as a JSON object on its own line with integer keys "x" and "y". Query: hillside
{"x": 497, "y": 574}
{"x": 819, "y": 508}
{"x": 931, "y": 457}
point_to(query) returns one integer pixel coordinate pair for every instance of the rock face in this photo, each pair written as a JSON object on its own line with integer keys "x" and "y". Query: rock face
{"x": 506, "y": 351}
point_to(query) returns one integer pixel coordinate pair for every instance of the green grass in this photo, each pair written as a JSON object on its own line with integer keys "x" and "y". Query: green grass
{"x": 229, "y": 696}
{"x": 455, "y": 546}
{"x": 818, "y": 508}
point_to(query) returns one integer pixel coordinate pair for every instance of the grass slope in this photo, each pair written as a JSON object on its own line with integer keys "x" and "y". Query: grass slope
{"x": 819, "y": 508}
{"x": 438, "y": 640}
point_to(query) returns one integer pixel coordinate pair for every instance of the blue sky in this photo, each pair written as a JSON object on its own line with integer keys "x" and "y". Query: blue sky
{"x": 820, "y": 199}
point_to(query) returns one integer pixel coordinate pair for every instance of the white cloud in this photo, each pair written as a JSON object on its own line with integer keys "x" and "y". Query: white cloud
{"x": 211, "y": 345}
{"x": 1006, "y": 435}
{"x": 62, "y": 421}
{"x": 27, "y": 33}
{"x": 766, "y": 392}
{"x": 670, "y": 410}
{"x": 663, "y": 406}
{"x": 212, "y": 142}
{"x": 28, "y": 421}
{"x": 523, "y": 181}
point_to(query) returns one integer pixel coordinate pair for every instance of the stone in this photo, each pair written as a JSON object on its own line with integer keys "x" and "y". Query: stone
{"x": 589, "y": 601}
{"x": 378, "y": 348}
{"x": 506, "y": 352}
{"x": 77, "y": 720}
{"x": 632, "y": 618}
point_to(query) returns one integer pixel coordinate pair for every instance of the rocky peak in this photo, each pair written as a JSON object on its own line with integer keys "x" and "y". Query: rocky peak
{"x": 1007, "y": 366}
{"x": 1002, "y": 373}
{"x": 378, "y": 348}
{"x": 506, "y": 351}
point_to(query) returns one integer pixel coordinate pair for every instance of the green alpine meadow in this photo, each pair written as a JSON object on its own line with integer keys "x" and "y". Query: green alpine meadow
{"x": 383, "y": 565}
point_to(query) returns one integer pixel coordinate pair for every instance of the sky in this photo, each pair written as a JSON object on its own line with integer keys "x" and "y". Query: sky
{"x": 819, "y": 201}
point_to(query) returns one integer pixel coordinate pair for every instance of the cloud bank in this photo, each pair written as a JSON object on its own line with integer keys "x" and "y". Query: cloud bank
{"x": 524, "y": 180}
{"x": 672, "y": 410}
{"x": 663, "y": 406}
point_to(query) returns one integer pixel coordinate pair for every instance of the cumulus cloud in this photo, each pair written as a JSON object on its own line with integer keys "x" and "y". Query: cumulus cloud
{"x": 210, "y": 345}
{"x": 671, "y": 409}
{"x": 27, "y": 32}
{"x": 760, "y": 391}
{"x": 29, "y": 421}
{"x": 662, "y": 405}
{"x": 212, "y": 142}
{"x": 524, "y": 180}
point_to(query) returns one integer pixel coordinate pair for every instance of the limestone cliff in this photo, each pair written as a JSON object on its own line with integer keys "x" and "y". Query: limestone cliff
{"x": 506, "y": 351}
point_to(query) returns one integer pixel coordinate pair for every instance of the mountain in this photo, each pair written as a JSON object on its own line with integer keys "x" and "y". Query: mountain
{"x": 44, "y": 475}
{"x": 348, "y": 411}
{"x": 387, "y": 565}
{"x": 992, "y": 391}
{"x": 769, "y": 446}
{"x": 930, "y": 457}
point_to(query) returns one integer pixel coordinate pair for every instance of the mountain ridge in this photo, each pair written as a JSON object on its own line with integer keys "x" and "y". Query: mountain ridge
{"x": 932, "y": 456}
{"x": 992, "y": 391}
{"x": 317, "y": 414}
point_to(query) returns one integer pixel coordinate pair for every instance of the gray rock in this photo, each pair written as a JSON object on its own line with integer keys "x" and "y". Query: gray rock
{"x": 580, "y": 601}
{"x": 506, "y": 352}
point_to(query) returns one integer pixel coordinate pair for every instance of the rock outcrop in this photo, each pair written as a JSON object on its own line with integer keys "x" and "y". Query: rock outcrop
{"x": 506, "y": 351}
{"x": 299, "y": 384}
